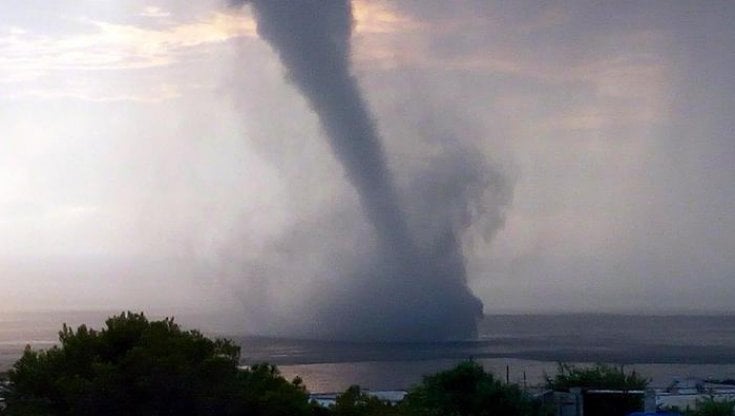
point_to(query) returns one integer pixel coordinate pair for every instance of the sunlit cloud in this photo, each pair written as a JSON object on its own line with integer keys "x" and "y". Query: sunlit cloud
{"x": 155, "y": 12}
{"x": 380, "y": 18}
{"x": 27, "y": 58}
{"x": 389, "y": 39}
{"x": 111, "y": 46}
{"x": 624, "y": 73}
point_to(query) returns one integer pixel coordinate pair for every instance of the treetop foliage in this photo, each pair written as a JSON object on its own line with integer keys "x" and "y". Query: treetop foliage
{"x": 600, "y": 376}
{"x": 355, "y": 402}
{"x": 139, "y": 367}
{"x": 467, "y": 390}
{"x": 712, "y": 407}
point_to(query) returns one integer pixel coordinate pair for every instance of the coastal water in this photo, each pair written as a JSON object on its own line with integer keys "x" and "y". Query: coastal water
{"x": 526, "y": 346}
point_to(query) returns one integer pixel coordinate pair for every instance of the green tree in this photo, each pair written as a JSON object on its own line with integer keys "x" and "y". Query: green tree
{"x": 712, "y": 407}
{"x": 263, "y": 391}
{"x": 139, "y": 367}
{"x": 600, "y": 376}
{"x": 467, "y": 390}
{"x": 354, "y": 402}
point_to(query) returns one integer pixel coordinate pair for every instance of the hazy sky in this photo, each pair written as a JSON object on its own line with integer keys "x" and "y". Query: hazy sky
{"x": 153, "y": 154}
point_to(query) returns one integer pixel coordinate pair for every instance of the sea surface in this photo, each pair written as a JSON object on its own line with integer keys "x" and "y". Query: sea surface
{"x": 525, "y": 347}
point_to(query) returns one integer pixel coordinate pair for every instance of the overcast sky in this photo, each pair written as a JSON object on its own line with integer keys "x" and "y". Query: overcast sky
{"x": 153, "y": 155}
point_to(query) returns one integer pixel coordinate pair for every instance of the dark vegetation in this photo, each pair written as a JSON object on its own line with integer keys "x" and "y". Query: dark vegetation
{"x": 137, "y": 367}
{"x": 354, "y": 402}
{"x": 709, "y": 407}
{"x": 601, "y": 376}
{"x": 467, "y": 390}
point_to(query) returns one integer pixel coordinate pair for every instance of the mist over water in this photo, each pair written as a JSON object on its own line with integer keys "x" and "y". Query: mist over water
{"x": 408, "y": 279}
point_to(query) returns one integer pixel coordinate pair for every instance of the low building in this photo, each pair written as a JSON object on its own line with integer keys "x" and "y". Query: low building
{"x": 685, "y": 393}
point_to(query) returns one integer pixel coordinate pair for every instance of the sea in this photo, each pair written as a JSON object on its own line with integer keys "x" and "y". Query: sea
{"x": 522, "y": 348}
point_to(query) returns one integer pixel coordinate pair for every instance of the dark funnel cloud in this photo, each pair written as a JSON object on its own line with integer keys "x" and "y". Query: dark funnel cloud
{"x": 312, "y": 39}
{"x": 411, "y": 282}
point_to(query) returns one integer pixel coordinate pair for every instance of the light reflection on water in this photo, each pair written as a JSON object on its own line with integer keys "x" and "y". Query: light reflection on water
{"x": 334, "y": 377}
{"x": 392, "y": 375}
